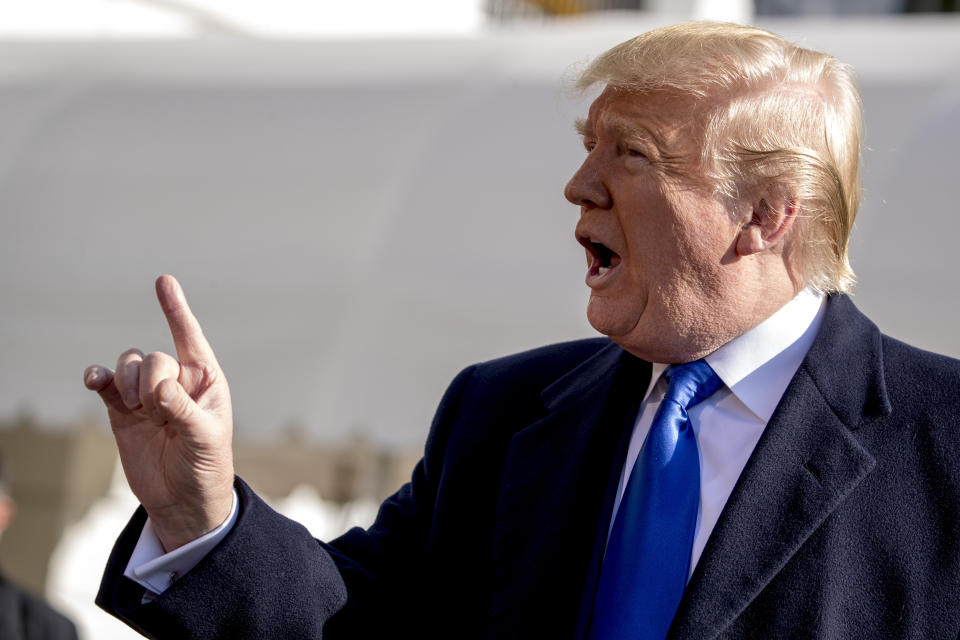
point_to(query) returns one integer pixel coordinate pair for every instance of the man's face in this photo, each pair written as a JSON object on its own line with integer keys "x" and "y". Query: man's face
{"x": 661, "y": 248}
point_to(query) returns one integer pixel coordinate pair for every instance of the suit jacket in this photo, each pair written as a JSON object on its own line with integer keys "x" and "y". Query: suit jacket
{"x": 843, "y": 524}
{"x": 26, "y": 617}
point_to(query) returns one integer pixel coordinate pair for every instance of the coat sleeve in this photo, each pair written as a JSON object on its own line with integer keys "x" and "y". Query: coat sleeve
{"x": 269, "y": 578}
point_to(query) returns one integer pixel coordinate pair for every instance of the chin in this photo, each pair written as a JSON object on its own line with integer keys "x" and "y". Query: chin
{"x": 610, "y": 319}
{"x": 632, "y": 335}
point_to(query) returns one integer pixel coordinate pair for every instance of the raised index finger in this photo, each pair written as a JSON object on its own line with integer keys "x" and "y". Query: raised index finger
{"x": 188, "y": 339}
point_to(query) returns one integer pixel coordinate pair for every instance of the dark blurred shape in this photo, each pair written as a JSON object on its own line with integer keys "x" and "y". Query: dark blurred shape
{"x": 510, "y": 9}
{"x": 24, "y": 616}
{"x": 504, "y": 10}
{"x": 353, "y": 470}
{"x": 931, "y": 6}
{"x": 55, "y": 476}
{"x": 851, "y": 7}
{"x": 4, "y": 483}
{"x": 826, "y": 7}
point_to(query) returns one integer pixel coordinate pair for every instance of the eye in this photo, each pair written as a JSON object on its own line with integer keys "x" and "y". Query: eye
{"x": 629, "y": 149}
{"x": 589, "y": 145}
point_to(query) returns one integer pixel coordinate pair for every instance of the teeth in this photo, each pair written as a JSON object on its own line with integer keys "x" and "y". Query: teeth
{"x": 602, "y": 270}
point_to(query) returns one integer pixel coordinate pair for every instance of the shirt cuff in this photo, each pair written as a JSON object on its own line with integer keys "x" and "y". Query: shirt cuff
{"x": 155, "y": 570}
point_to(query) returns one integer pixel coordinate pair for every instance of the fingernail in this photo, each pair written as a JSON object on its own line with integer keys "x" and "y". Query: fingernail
{"x": 131, "y": 398}
{"x": 92, "y": 377}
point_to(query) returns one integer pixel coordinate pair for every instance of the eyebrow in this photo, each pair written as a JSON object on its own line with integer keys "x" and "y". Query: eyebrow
{"x": 620, "y": 126}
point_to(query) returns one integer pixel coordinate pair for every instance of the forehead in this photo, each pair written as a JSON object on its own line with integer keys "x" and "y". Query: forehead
{"x": 669, "y": 118}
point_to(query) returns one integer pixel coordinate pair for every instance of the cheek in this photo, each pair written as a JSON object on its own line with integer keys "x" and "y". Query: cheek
{"x": 652, "y": 245}
{"x": 705, "y": 238}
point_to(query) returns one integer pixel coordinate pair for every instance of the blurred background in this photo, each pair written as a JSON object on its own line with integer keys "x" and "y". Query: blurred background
{"x": 359, "y": 198}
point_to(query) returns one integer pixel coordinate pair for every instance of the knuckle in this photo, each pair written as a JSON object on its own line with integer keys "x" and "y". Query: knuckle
{"x": 132, "y": 353}
{"x": 154, "y": 358}
{"x": 128, "y": 368}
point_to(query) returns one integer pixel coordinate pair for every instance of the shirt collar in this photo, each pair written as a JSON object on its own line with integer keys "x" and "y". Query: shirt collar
{"x": 758, "y": 365}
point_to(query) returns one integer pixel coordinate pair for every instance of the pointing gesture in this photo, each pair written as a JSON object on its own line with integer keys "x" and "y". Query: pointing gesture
{"x": 173, "y": 424}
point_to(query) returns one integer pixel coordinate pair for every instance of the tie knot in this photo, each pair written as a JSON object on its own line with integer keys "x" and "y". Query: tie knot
{"x": 691, "y": 382}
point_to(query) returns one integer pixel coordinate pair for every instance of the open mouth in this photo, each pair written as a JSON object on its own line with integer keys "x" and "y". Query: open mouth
{"x": 602, "y": 258}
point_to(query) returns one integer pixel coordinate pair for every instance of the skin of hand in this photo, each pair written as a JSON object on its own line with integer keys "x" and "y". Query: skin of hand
{"x": 173, "y": 424}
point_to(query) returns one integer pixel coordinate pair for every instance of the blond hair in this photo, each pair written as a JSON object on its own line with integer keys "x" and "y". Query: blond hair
{"x": 775, "y": 114}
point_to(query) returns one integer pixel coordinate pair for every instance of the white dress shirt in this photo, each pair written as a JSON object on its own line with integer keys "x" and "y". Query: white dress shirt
{"x": 154, "y": 569}
{"x": 755, "y": 368}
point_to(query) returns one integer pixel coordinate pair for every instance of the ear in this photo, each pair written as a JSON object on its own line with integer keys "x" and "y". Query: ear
{"x": 771, "y": 219}
{"x": 7, "y": 510}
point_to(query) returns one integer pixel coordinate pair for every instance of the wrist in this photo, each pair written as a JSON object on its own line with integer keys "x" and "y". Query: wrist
{"x": 178, "y": 525}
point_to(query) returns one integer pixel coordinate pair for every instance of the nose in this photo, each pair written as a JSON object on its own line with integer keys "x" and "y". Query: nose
{"x": 586, "y": 188}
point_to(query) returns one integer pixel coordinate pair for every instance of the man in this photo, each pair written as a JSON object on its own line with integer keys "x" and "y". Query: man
{"x": 745, "y": 456}
{"x": 24, "y": 616}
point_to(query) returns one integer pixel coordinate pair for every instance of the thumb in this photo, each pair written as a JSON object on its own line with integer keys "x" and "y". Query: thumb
{"x": 174, "y": 404}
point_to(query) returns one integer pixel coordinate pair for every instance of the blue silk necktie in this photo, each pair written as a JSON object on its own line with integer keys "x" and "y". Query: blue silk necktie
{"x": 647, "y": 558}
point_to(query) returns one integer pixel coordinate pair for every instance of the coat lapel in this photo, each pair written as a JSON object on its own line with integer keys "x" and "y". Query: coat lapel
{"x": 559, "y": 483}
{"x": 805, "y": 465}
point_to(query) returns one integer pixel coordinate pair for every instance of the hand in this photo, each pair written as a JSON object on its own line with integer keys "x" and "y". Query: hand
{"x": 173, "y": 424}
